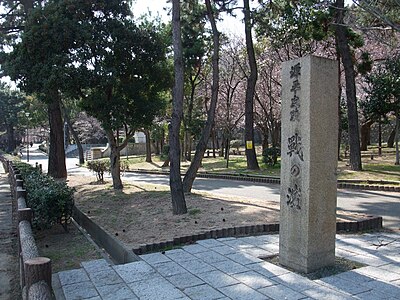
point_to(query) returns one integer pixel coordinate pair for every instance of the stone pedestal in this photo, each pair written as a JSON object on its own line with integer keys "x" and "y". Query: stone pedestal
{"x": 309, "y": 161}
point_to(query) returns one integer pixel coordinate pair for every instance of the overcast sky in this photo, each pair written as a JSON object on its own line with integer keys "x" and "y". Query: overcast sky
{"x": 230, "y": 25}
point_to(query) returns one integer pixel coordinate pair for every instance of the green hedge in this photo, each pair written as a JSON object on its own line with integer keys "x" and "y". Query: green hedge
{"x": 270, "y": 156}
{"x": 50, "y": 200}
{"x": 99, "y": 167}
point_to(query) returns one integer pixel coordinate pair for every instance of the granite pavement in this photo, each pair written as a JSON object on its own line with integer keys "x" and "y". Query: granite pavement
{"x": 231, "y": 268}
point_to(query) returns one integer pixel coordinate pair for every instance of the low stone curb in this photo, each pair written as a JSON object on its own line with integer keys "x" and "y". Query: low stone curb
{"x": 371, "y": 223}
{"x": 370, "y": 187}
{"x": 114, "y": 247}
{"x": 342, "y": 184}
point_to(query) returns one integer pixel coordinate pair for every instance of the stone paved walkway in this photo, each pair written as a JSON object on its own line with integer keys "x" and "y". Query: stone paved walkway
{"x": 8, "y": 253}
{"x": 229, "y": 268}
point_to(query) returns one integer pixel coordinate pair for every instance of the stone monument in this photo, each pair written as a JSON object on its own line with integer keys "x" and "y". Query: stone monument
{"x": 309, "y": 161}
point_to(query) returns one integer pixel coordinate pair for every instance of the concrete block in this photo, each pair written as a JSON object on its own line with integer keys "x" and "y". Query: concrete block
{"x": 253, "y": 279}
{"x": 278, "y": 292}
{"x": 195, "y": 248}
{"x": 230, "y": 267}
{"x": 217, "y": 279}
{"x": 179, "y": 255}
{"x": 155, "y": 288}
{"x": 105, "y": 277}
{"x": 184, "y": 280}
{"x": 224, "y": 250}
{"x": 210, "y": 257}
{"x": 169, "y": 268}
{"x": 341, "y": 285}
{"x": 135, "y": 271}
{"x": 197, "y": 266}
{"x": 296, "y": 282}
{"x": 72, "y": 276}
{"x": 244, "y": 259}
{"x": 268, "y": 270}
{"x": 210, "y": 243}
{"x": 81, "y": 290}
{"x": 95, "y": 265}
{"x": 323, "y": 292}
{"x": 242, "y": 292}
{"x": 116, "y": 291}
{"x": 155, "y": 258}
{"x": 203, "y": 292}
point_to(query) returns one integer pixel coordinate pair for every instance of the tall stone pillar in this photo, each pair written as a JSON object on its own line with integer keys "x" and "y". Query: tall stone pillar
{"x": 309, "y": 161}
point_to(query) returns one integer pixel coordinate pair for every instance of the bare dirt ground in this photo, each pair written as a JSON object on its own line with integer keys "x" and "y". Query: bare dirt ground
{"x": 142, "y": 214}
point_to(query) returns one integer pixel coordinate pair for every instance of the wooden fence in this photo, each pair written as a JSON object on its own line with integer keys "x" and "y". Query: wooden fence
{"x": 35, "y": 271}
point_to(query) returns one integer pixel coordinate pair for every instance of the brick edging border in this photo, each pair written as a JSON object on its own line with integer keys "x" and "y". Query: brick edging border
{"x": 372, "y": 223}
{"x": 273, "y": 180}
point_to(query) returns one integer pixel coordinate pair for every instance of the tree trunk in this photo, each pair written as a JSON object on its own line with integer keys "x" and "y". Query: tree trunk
{"x": 390, "y": 142}
{"x": 205, "y": 135}
{"x": 10, "y": 138}
{"x": 365, "y": 135}
{"x": 28, "y": 6}
{"x": 352, "y": 114}
{"x": 175, "y": 181}
{"x": 56, "y": 165}
{"x": 275, "y": 134}
{"x": 162, "y": 142}
{"x": 148, "y": 146}
{"x": 213, "y": 141}
{"x": 339, "y": 107}
{"x": 227, "y": 149}
{"x": 188, "y": 146}
{"x": 251, "y": 157}
{"x": 397, "y": 139}
{"x": 74, "y": 134}
{"x": 265, "y": 140}
{"x": 227, "y": 144}
{"x": 380, "y": 137}
{"x": 115, "y": 158}
{"x": 222, "y": 147}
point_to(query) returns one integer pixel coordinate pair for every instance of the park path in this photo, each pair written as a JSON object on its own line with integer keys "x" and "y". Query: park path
{"x": 378, "y": 203}
{"x": 8, "y": 252}
{"x": 231, "y": 268}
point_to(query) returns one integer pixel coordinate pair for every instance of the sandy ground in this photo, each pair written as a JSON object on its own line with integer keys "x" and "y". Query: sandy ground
{"x": 142, "y": 214}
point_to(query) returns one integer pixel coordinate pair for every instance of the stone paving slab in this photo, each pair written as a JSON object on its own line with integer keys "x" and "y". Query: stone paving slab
{"x": 229, "y": 268}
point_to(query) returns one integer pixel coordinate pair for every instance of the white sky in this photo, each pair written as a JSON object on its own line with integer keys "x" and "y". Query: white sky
{"x": 161, "y": 7}
{"x": 230, "y": 25}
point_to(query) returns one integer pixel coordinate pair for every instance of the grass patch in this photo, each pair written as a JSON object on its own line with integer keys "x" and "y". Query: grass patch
{"x": 194, "y": 211}
{"x": 65, "y": 249}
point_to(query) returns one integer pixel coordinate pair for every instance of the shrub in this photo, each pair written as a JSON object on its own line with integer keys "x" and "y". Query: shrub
{"x": 50, "y": 200}
{"x": 99, "y": 167}
{"x": 270, "y": 156}
{"x": 165, "y": 151}
{"x": 124, "y": 165}
{"x": 236, "y": 144}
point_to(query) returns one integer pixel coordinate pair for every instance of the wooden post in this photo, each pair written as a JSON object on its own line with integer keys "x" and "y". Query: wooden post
{"x": 37, "y": 269}
{"x": 20, "y": 192}
{"x": 25, "y": 214}
{"x": 39, "y": 291}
